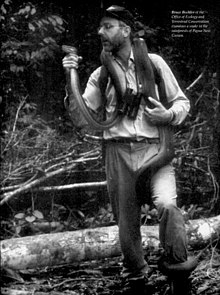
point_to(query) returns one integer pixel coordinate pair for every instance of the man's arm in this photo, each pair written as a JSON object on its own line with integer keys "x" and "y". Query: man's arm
{"x": 74, "y": 111}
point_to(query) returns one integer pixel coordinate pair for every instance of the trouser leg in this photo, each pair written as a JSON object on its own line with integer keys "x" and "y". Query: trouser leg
{"x": 172, "y": 232}
{"x": 126, "y": 208}
{"x": 172, "y": 227}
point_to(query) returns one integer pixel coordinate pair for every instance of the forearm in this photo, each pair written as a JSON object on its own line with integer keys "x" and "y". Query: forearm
{"x": 180, "y": 104}
{"x": 179, "y": 111}
{"x": 74, "y": 111}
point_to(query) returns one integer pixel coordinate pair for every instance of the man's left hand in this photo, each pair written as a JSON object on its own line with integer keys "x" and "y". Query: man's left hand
{"x": 159, "y": 114}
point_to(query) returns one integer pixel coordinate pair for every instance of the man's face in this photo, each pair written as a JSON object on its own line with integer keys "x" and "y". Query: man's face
{"x": 111, "y": 33}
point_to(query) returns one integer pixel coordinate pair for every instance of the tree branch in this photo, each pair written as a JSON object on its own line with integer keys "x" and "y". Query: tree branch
{"x": 46, "y": 176}
{"x": 195, "y": 82}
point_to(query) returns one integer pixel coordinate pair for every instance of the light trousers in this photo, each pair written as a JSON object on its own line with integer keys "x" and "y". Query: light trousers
{"x": 122, "y": 163}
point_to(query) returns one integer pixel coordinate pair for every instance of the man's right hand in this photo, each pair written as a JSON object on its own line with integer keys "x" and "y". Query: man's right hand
{"x": 71, "y": 61}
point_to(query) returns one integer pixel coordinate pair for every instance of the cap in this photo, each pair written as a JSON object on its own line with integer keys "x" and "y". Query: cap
{"x": 120, "y": 13}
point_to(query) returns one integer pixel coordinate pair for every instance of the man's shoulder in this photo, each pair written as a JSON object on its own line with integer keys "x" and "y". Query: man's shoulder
{"x": 96, "y": 73}
{"x": 156, "y": 58}
{"x": 158, "y": 61}
{"x": 95, "y": 76}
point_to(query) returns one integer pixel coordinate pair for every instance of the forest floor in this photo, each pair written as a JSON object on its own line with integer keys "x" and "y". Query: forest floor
{"x": 103, "y": 277}
{"x": 100, "y": 277}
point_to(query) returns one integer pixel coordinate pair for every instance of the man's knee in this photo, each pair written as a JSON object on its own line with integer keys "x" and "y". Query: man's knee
{"x": 167, "y": 208}
{"x": 165, "y": 202}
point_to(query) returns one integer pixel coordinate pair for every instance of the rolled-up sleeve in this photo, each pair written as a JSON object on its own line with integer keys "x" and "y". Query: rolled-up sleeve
{"x": 92, "y": 93}
{"x": 180, "y": 103}
{"x": 92, "y": 97}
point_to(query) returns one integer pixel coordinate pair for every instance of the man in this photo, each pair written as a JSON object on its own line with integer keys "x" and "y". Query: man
{"x": 130, "y": 143}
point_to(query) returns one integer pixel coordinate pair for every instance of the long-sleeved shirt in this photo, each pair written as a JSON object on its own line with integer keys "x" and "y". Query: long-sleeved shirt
{"x": 141, "y": 127}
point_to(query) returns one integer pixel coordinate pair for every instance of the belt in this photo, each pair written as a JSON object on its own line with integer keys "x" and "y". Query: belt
{"x": 132, "y": 140}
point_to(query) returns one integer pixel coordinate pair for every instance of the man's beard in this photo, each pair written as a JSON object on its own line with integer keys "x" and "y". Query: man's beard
{"x": 111, "y": 47}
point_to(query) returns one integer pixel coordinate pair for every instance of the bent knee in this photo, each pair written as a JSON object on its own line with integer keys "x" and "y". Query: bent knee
{"x": 165, "y": 202}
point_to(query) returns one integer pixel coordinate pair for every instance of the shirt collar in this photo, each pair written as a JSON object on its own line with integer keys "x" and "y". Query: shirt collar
{"x": 130, "y": 62}
{"x": 131, "y": 58}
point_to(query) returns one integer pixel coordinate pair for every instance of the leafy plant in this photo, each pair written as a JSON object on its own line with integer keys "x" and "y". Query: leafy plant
{"x": 29, "y": 36}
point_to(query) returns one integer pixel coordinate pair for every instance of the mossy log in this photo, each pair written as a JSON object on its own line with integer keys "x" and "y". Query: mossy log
{"x": 89, "y": 244}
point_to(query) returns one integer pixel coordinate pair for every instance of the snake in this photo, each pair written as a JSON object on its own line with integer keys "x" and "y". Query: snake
{"x": 166, "y": 147}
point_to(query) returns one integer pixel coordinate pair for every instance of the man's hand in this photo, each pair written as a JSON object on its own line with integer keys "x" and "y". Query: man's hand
{"x": 71, "y": 61}
{"x": 159, "y": 114}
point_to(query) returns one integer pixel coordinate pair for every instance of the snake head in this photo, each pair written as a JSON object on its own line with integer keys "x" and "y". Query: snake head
{"x": 69, "y": 49}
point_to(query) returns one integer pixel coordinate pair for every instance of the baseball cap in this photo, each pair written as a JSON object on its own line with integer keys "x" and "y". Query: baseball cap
{"x": 120, "y": 13}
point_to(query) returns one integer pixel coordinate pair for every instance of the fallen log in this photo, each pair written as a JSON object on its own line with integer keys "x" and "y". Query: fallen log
{"x": 8, "y": 291}
{"x": 89, "y": 244}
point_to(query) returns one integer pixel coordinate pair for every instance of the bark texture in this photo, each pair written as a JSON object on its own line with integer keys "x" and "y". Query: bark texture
{"x": 89, "y": 244}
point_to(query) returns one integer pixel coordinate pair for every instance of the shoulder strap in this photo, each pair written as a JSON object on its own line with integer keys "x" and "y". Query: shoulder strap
{"x": 148, "y": 73}
{"x": 103, "y": 79}
{"x": 161, "y": 85}
{"x": 157, "y": 76}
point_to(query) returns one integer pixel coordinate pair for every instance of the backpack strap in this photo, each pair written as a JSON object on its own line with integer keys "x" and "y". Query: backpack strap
{"x": 103, "y": 81}
{"x": 157, "y": 76}
{"x": 161, "y": 85}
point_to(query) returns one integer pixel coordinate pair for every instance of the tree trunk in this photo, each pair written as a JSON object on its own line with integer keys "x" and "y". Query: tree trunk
{"x": 69, "y": 247}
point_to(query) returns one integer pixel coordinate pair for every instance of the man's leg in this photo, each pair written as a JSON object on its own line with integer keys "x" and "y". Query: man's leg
{"x": 172, "y": 232}
{"x": 172, "y": 227}
{"x": 120, "y": 170}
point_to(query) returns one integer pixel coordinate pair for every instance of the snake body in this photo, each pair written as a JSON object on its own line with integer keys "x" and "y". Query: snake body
{"x": 166, "y": 150}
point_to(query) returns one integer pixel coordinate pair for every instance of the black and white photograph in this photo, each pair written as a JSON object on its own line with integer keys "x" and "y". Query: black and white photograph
{"x": 110, "y": 147}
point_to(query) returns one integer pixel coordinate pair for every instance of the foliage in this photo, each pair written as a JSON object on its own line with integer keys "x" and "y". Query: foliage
{"x": 196, "y": 150}
{"x": 28, "y": 141}
{"x": 29, "y": 38}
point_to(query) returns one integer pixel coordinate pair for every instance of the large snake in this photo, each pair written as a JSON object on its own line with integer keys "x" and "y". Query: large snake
{"x": 166, "y": 150}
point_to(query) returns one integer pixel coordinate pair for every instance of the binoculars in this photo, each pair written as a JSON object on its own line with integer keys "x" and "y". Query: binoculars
{"x": 130, "y": 103}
